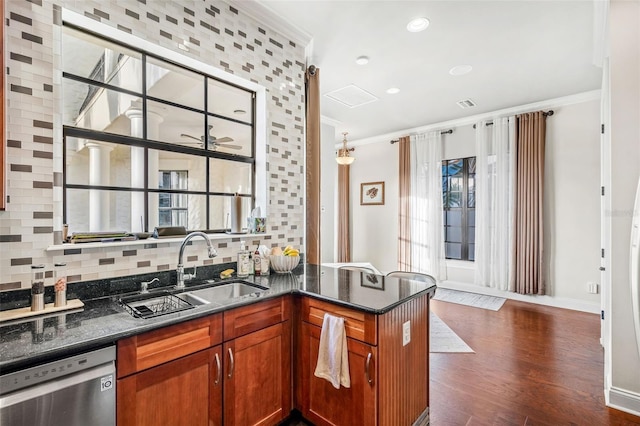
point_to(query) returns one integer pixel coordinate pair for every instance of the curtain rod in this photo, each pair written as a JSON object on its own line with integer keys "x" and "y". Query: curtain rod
{"x": 545, "y": 113}
{"x": 444, "y": 132}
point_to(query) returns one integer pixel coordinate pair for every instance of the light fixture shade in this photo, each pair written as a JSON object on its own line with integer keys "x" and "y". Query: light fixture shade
{"x": 344, "y": 160}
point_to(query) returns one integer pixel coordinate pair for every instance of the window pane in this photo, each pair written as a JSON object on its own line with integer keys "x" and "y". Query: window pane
{"x": 175, "y": 84}
{"x": 471, "y": 164}
{"x": 453, "y": 250}
{"x": 220, "y": 209}
{"x": 188, "y": 210}
{"x": 456, "y": 184}
{"x": 472, "y": 250}
{"x": 175, "y": 125}
{"x": 471, "y": 217}
{"x": 230, "y": 176}
{"x": 454, "y": 167}
{"x": 230, "y": 137}
{"x": 454, "y": 199}
{"x": 91, "y": 57}
{"x": 229, "y": 101}
{"x": 169, "y": 164}
{"x": 92, "y": 210}
{"x": 454, "y": 218}
{"x": 91, "y": 107}
{"x": 471, "y": 200}
{"x": 78, "y": 165}
{"x": 471, "y": 234}
{"x": 454, "y": 234}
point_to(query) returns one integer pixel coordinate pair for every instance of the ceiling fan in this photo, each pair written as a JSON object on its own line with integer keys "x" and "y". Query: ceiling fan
{"x": 213, "y": 141}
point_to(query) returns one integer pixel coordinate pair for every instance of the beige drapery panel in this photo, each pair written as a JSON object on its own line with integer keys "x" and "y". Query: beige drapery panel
{"x": 528, "y": 277}
{"x": 344, "y": 202}
{"x": 312, "y": 161}
{"x": 404, "y": 182}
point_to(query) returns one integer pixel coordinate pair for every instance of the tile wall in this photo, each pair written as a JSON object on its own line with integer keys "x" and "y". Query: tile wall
{"x": 219, "y": 35}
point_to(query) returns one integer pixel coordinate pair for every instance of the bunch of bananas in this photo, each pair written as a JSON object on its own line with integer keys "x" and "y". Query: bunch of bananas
{"x": 290, "y": 251}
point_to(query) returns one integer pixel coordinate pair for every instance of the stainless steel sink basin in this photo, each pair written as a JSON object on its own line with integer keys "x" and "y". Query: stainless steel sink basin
{"x": 222, "y": 292}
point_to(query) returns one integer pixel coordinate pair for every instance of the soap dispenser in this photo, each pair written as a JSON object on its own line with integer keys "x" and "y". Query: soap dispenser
{"x": 244, "y": 261}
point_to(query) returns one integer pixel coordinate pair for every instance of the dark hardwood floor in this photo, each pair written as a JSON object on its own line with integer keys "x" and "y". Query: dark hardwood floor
{"x": 534, "y": 365}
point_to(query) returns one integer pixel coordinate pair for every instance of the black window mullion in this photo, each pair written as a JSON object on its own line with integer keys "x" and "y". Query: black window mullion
{"x": 206, "y": 147}
{"x": 465, "y": 187}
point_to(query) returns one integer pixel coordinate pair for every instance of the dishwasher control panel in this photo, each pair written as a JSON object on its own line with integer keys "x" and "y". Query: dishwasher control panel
{"x": 56, "y": 369}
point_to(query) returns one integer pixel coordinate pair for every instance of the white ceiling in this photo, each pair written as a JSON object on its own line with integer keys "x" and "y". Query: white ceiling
{"x": 521, "y": 52}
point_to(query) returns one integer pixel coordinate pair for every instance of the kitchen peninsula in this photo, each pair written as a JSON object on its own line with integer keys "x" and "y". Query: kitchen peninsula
{"x": 386, "y": 326}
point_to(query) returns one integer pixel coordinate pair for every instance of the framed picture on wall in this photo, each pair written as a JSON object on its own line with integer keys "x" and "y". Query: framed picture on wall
{"x": 372, "y": 193}
{"x": 372, "y": 281}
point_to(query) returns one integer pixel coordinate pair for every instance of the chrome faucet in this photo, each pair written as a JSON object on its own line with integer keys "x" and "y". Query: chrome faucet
{"x": 182, "y": 277}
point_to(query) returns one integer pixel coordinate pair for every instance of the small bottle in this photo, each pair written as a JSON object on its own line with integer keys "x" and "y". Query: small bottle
{"x": 60, "y": 286}
{"x": 244, "y": 262}
{"x": 37, "y": 288}
{"x": 257, "y": 261}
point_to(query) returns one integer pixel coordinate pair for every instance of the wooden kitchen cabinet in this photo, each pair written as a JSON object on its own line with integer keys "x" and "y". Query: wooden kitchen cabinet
{"x": 389, "y": 377}
{"x": 257, "y": 382}
{"x": 183, "y": 374}
{"x": 325, "y": 405}
{"x": 186, "y": 391}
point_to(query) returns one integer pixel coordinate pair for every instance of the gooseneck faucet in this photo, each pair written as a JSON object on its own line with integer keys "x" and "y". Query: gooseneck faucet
{"x": 182, "y": 277}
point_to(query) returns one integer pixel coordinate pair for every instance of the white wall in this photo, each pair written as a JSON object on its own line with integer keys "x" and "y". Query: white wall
{"x": 374, "y": 229}
{"x": 571, "y": 205}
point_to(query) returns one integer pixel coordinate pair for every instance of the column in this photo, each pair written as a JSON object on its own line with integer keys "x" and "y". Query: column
{"x": 99, "y": 174}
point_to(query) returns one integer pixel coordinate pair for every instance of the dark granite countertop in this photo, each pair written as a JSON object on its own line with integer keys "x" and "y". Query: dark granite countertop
{"x": 103, "y": 320}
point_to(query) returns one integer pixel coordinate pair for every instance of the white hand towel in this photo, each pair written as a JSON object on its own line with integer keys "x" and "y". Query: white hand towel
{"x": 333, "y": 357}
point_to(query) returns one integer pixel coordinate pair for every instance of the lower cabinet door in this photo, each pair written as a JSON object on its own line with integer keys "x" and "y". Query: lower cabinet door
{"x": 257, "y": 377}
{"x": 325, "y": 405}
{"x": 184, "y": 392}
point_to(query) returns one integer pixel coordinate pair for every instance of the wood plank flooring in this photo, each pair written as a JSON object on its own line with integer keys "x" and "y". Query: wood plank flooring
{"x": 534, "y": 365}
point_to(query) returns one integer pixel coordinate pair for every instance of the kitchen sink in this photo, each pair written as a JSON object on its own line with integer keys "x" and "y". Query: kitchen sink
{"x": 155, "y": 304}
{"x": 223, "y": 292}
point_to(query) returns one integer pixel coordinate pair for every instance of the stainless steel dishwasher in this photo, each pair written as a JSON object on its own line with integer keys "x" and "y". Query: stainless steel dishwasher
{"x": 75, "y": 391}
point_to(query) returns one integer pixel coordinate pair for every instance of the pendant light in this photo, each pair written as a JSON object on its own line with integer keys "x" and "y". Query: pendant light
{"x": 343, "y": 157}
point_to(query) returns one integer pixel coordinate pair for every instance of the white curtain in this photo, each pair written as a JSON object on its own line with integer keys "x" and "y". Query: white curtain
{"x": 427, "y": 242}
{"x": 495, "y": 178}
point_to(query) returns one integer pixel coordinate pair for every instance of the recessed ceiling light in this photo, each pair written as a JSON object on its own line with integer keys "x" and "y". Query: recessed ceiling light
{"x": 239, "y": 111}
{"x": 393, "y": 90}
{"x": 417, "y": 25}
{"x": 362, "y": 60}
{"x": 460, "y": 70}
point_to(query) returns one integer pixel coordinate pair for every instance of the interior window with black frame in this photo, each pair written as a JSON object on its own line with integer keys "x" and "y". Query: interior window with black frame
{"x": 148, "y": 142}
{"x": 459, "y": 202}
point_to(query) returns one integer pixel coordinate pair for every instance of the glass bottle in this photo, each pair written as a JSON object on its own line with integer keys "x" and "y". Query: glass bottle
{"x": 60, "y": 286}
{"x": 37, "y": 288}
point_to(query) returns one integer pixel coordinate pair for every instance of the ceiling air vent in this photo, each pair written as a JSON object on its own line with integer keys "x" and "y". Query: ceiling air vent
{"x": 351, "y": 96}
{"x": 466, "y": 103}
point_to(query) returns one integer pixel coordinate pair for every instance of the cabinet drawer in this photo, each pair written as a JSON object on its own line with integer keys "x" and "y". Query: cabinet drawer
{"x": 359, "y": 325}
{"x": 247, "y": 319}
{"x": 156, "y": 347}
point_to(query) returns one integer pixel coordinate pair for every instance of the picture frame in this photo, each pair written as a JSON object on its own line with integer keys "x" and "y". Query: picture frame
{"x": 372, "y": 281}
{"x": 372, "y": 194}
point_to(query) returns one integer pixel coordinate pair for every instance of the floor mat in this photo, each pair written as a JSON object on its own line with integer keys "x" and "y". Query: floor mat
{"x": 469, "y": 299}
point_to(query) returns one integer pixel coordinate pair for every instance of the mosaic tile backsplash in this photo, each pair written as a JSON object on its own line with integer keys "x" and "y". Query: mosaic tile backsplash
{"x": 218, "y": 35}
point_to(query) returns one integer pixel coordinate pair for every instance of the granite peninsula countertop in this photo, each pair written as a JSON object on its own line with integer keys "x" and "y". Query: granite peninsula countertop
{"x": 103, "y": 321}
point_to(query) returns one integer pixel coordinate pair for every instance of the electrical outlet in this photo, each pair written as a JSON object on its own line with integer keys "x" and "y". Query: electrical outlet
{"x": 406, "y": 333}
{"x": 592, "y": 288}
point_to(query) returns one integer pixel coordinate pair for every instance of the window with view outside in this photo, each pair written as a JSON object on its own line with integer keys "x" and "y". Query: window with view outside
{"x": 148, "y": 142}
{"x": 459, "y": 202}
{"x": 173, "y": 207}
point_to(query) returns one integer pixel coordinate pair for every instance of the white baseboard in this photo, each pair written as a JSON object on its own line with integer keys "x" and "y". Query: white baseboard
{"x": 575, "y": 305}
{"x": 624, "y": 400}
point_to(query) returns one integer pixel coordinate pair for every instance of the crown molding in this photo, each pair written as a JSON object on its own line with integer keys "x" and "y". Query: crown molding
{"x": 472, "y": 119}
{"x": 264, "y": 14}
